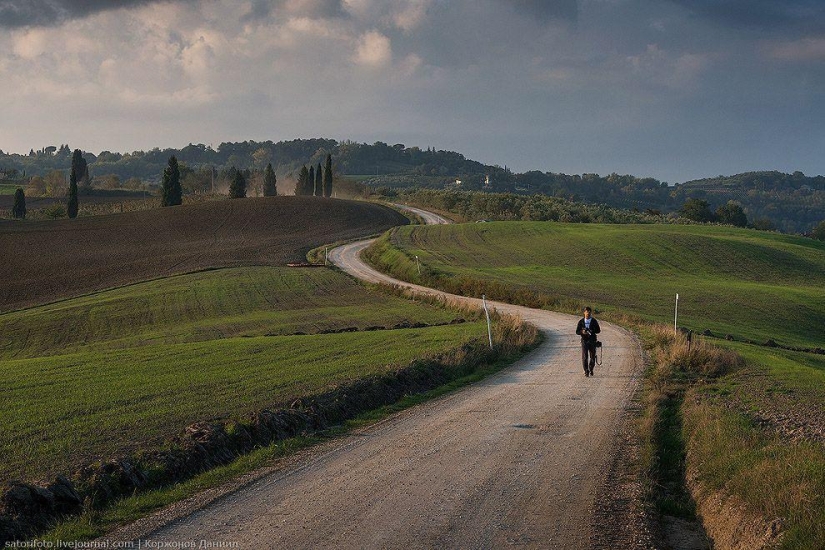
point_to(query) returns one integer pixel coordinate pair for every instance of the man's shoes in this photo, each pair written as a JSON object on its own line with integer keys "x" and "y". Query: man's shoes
{"x": 591, "y": 373}
{"x": 586, "y": 373}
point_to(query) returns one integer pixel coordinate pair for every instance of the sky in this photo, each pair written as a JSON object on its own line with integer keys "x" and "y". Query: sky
{"x": 670, "y": 89}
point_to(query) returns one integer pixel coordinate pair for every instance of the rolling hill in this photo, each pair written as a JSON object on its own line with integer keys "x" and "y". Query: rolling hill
{"x": 52, "y": 260}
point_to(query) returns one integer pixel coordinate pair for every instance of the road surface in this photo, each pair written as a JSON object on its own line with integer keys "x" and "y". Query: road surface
{"x": 429, "y": 218}
{"x": 515, "y": 460}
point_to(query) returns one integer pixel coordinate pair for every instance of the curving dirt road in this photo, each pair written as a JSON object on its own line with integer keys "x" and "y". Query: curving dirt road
{"x": 514, "y": 460}
{"x": 430, "y": 218}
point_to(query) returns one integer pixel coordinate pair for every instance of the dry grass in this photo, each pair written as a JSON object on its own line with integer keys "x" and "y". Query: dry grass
{"x": 673, "y": 352}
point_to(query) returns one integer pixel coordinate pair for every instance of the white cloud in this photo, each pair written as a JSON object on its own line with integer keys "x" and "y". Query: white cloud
{"x": 373, "y": 50}
{"x": 31, "y": 43}
{"x": 411, "y": 14}
{"x": 198, "y": 58}
{"x": 410, "y": 64}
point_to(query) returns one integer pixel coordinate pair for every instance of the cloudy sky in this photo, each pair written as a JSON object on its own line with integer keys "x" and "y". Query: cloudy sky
{"x": 672, "y": 89}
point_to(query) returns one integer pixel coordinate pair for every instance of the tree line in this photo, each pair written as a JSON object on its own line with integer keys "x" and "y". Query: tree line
{"x": 483, "y": 206}
{"x": 792, "y": 203}
{"x": 311, "y": 182}
{"x": 172, "y": 189}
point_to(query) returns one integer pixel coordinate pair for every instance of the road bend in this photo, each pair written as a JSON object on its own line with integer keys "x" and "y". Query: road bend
{"x": 515, "y": 460}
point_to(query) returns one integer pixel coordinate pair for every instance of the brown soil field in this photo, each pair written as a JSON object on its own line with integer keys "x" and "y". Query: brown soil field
{"x": 44, "y": 261}
{"x": 99, "y": 197}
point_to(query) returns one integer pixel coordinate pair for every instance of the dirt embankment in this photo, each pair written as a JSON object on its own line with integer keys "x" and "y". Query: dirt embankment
{"x": 50, "y": 260}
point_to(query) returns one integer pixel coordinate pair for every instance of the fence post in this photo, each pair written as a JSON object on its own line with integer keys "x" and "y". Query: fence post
{"x": 487, "y": 313}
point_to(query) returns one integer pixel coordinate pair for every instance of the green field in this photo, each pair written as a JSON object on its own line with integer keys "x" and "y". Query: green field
{"x": 9, "y": 188}
{"x": 749, "y": 284}
{"x": 210, "y": 305}
{"x": 122, "y": 370}
{"x": 755, "y": 434}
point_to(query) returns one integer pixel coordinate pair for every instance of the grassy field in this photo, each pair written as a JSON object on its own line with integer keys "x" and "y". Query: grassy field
{"x": 48, "y": 260}
{"x": 751, "y": 285}
{"x": 209, "y": 305}
{"x": 105, "y": 374}
{"x": 9, "y": 188}
{"x": 748, "y": 432}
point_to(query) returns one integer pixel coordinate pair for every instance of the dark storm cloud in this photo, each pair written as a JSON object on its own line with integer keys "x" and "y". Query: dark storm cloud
{"x": 44, "y": 13}
{"x": 545, "y": 11}
{"x": 760, "y": 14}
{"x": 259, "y": 9}
{"x": 264, "y": 9}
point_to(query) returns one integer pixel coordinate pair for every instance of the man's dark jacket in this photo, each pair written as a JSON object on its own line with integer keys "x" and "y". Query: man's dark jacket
{"x": 594, "y": 330}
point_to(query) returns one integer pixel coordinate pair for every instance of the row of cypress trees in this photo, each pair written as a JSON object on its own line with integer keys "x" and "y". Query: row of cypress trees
{"x": 309, "y": 183}
{"x": 314, "y": 182}
{"x": 172, "y": 192}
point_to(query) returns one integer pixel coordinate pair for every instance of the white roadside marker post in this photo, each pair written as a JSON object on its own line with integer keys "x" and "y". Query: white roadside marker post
{"x": 487, "y": 313}
{"x": 676, "y": 314}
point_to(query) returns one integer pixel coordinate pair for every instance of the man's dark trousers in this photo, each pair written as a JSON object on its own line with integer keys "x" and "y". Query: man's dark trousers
{"x": 588, "y": 348}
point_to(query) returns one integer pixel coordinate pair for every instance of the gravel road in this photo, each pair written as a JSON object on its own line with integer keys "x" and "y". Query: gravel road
{"x": 429, "y": 218}
{"x": 515, "y": 460}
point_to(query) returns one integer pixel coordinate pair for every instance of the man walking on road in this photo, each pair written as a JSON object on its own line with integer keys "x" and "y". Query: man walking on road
{"x": 588, "y": 328}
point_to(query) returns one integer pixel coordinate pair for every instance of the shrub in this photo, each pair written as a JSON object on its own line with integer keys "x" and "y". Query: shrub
{"x": 54, "y": 211}
{"x": 19, "y": 208}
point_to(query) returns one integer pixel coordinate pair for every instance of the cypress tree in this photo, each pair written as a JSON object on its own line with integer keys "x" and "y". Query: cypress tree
{"x": 237, "y": 189}
{"x": 71, "y": 207}
{"x": 328, "y": 177}
{"x": 19, "y": 208}
{"x": 172, "y": 191}
{"x": 80, "y": 169}
{"x": 311, "y": 181}
{"x": 270, "y": 182}
{"x": 319, "y": 181}
{"x": 303, "y": 180}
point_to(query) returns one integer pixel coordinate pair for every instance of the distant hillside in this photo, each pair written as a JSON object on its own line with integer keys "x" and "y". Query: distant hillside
{"x": 286, "y": 157}
{"x": 792, "y": 203}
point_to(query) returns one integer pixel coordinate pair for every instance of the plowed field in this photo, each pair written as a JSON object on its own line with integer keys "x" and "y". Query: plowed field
{"x": 50, "y": 260}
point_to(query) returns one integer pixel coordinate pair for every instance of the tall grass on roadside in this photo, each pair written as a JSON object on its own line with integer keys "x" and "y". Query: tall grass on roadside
{"x": 674, "y": 367}
{"x": 780, "y": 483}
{"x": 704, "y": 455}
